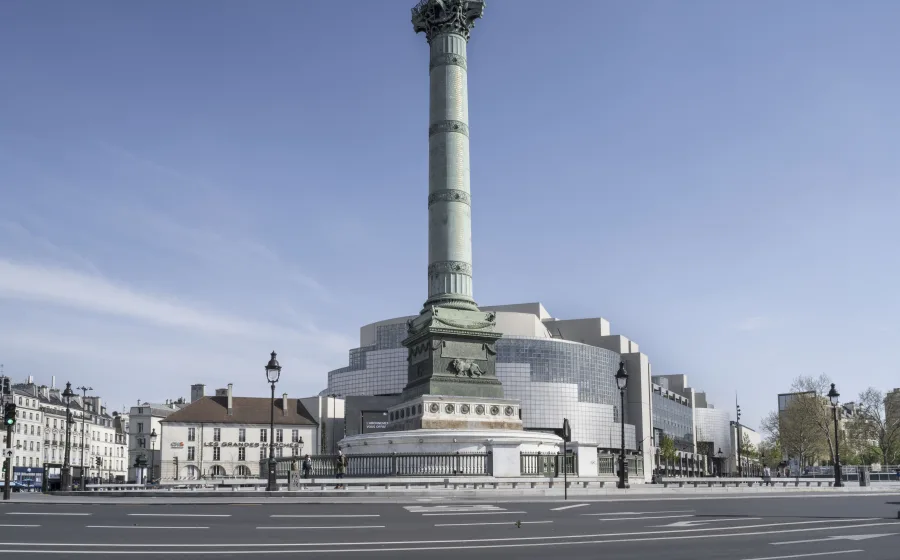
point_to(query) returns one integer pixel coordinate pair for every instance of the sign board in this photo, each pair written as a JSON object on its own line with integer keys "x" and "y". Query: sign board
{"x": 8, "y": 453}
{"x": 374, "y": 421}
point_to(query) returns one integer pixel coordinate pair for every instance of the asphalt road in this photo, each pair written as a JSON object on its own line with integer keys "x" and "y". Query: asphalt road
{"x": 736, "y": 528}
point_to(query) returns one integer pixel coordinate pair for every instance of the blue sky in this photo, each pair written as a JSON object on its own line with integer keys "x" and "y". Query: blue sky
{"x": 185, "y": 186}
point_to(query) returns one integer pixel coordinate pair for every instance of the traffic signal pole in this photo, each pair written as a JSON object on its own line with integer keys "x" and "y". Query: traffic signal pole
{"x": 8, "y": 462}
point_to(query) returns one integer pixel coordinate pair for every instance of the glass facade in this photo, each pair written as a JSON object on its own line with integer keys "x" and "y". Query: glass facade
{"x": 713, "y": 427}
{"x": 552, "y": 378}
{"x": 674, "y": 417}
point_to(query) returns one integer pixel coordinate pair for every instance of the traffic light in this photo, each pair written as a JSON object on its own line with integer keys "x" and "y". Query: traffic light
{"x": 6, "y": 388}
{"x": 739, "y": 413}
{"x": 9, "y": 415}
{"x": 99, "y": 462}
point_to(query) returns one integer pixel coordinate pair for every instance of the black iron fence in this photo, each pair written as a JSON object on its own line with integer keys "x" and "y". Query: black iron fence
{"x": 390, "y": 464}
{"x": 547, "y": 464}
{"x": 609, "y": 464}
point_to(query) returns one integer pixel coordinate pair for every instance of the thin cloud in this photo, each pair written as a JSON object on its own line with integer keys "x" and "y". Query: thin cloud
{"x": 96, "y": 294}
{"x": 752, "y": 324}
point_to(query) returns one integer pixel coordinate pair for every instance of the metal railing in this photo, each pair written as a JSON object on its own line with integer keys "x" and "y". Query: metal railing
{"x": 547, "y": 464}
{"x": 608, "y": 464}
{"x": 391, "y": 464}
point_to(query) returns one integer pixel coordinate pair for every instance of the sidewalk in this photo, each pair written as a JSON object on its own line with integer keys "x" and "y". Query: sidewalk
{"x": 639, "y": 493}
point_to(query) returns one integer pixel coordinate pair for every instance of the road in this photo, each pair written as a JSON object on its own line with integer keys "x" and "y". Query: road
{"x": 737, "y": 528}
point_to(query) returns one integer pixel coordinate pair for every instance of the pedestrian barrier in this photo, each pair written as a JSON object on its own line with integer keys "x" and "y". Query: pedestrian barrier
{"x": 750, "y": 482}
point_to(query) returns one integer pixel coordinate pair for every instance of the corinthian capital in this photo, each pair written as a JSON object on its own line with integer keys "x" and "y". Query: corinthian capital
{"x": 436, "y": 17}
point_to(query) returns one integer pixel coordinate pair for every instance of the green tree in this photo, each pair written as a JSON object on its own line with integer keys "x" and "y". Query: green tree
{"x": 667, "y": 449}
{"x": 747, "y": 448}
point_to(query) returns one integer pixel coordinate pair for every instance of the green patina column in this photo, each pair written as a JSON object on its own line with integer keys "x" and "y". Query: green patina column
{"x": 451, "y": 342}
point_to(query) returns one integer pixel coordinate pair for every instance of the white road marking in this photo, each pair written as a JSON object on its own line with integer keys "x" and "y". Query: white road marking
{"x": 379, "y": 546}
{"x": 525, "y": 541}
{"x": 458, "y": 508}
{"x": 179, "y": 515}
{"x": 705, "y": 521}
{"x": 491, "y": 523}
{"x": 340, "y": 527}
{"x": 139, "y": 527}
{"x": 569, "y": 507}
{"x": 317, "y": 516}
{"x": 646, "y": 517}
{"x": 837, "y": 538}
{"x": 19, "y": 525}
{"x": 642, "y": 512}
{"x": 474, "y": 513}
{"x": 42, "y": 513}
{"x": 806, "y": 555}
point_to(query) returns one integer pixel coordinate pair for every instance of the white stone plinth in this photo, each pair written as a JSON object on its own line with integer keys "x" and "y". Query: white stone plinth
{"x": 505, "y": 446}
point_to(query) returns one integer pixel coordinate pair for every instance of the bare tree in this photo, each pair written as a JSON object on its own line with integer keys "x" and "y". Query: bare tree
{"x": 877, "y": 424}
{"x": 811, "y": 412}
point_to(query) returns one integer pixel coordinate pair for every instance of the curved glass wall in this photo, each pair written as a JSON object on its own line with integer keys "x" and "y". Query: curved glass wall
{"x": 552, "y": 378}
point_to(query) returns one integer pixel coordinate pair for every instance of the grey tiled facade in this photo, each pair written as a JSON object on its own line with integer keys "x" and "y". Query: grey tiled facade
{"x": 552, "y": 378}
{"x": 673, "y": 418}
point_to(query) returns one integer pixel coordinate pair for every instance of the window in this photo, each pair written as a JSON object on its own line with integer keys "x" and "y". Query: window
{"x": 20, "y": 401}
{"x": 142, "y": 443}
{"x": 263, "y": 435}
{"x": 281, "y": 451}
{"x": 54, "y": 422}
{"x": 192, "y": 434}
{"x": 279, "y": 435}
{"x": 38, "y": 446}
{"x": 262, "y": 453}
{"x": 242, "y": 453}
{"x": 191, "y": 451}
{"x": 39, "y": 430}
{"x": 32, "y": 429}
{"x": 140, "y": 427}
{"x": 242, "y": 435}
{"x": 217, "y": 453}
{"x": 217, "y": 434}
{"x": 31, "y": 445}
{"x": 295, "y": 436}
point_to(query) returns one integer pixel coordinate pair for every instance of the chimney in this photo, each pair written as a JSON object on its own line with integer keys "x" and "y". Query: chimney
{"x": 198, "y": 391}
{"x": 53, "y": 382}
{"x": 31, "y": 380}
{"x": 230, "y": 401}
{"x": 284, "y": 404}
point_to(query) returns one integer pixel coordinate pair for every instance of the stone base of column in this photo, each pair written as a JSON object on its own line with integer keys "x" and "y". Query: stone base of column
{"x": 451, "y": 353}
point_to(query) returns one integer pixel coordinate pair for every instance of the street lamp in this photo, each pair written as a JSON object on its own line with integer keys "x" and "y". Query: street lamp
{"x": 622, "y": 382}
{"x": 152, "y": 452}
{"x": 833, "y": 395}
{"x": 720, "y": 456}
{"x": 84, "y": 391}
{"x": 66, "y": 473}
{"x": 273, "y": 373}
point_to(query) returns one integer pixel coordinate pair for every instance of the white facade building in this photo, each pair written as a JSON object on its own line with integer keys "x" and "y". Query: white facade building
{"x": 27, "y": 439}
{"x": 226, "y": 436}
{"x": 143, "y": 420}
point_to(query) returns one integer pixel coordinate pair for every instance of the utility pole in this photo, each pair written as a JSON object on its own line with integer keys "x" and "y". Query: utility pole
{"x": 9, "y": 411}
{"x": 739, "y": 440}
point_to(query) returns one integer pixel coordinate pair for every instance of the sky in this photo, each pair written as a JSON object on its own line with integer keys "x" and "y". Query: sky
{"x": 186, "y": 186}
